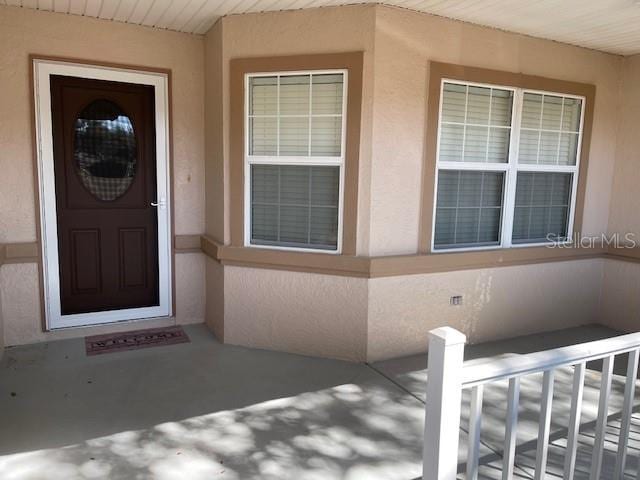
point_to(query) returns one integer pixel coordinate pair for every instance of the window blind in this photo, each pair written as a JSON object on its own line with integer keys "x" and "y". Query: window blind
{"x": 541, "y": 206}
{"x": 296, "y": 115}
{"x": 295, "y": 206}
{"x": 475, "y": 124}
{"x": 550, "y": 129}
{"x": 469, "y": 205}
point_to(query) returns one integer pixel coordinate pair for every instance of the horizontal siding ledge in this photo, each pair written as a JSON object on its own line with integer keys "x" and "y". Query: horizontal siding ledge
{"x": 343, "y": 265}
{"x": 453, "y": 261}
{"x": 28, "y": 252}
{"x": 360, "y": 266}
{"x": 390, "y": 266}
{"x": 328, "y": 264}
{"x": 624, "y": 253}
{"x": 187, "y": 244}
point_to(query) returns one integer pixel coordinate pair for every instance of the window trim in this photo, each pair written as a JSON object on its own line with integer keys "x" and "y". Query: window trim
{"x": 352, "y": 62}
{"x": 320, "y": 161}
{"x": 441, "y": 72}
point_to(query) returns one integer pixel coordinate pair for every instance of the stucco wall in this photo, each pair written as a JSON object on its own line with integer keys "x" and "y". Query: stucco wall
{"x": 497, "y": 303}
{"x": 296, "y": 312}
{"x": 325, "y": 315}
{"x": 501, "y": 302}
{"x": 215, "y": 298}
{"x": 24, "y": 32}
{"x": 399, "y": 311}
{"x": 620, "y": 306}
{"x": 325, "y": 30}
{"x": 398, "y": 46}
{"x": 216, "y": 176}
{"x": 404, "y": 44}
{"x": 303, "y": 313}
{"x": 625, "y": 199}
{"x": 22, "y": 307}
{"x": 2, "y": 343}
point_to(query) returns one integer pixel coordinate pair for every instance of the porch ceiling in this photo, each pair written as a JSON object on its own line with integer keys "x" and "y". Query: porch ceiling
{"x": 606, "y": 25}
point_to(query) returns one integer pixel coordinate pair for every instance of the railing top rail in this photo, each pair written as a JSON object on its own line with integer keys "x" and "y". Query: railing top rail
{"x": 516, "y": 366}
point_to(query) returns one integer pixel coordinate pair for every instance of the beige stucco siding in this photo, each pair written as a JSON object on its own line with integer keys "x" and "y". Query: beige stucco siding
{"x": 620, "y": 307}
{"x": 404, "y": 44}
{"x": 216, "y": 176}
{"x": 398, "y": 46}
{"x": 296, "y": 312}
{"x": 399, "y": 311}
{"x": 24, "y": 32}
{"x": 2, "y": 342}
{"x": 620, "y": 298}
{"x": 311, "y": 313}
{"x": 214, "y": 314}
{"x": 21, "y": 304}
{"x": 625, "y": 200}
{"x": 497, "y": 303}
{"x": 344, "y": 29}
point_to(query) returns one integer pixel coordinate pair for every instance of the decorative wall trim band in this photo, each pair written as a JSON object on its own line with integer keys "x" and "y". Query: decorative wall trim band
{"x": 449, "y": 262}
{"x": 399, "y": 265}
{"x": 29, "y": 252}
{"x": 186, "y": 243}
{"x": 361, "y": 267}
{"x": 624, "y": 254}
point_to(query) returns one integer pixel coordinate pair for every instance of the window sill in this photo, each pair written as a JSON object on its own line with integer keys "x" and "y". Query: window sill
{"x": 277, "y": 259}
{"x": 477, "y": 259}
{"x": 398, "y": 265}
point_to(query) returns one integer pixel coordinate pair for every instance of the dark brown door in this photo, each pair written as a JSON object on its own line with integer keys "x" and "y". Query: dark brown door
{"x": 105, "y": 178}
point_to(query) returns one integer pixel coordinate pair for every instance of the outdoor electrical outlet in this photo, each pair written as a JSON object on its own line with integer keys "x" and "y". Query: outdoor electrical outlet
{"x": 456, "y": 300}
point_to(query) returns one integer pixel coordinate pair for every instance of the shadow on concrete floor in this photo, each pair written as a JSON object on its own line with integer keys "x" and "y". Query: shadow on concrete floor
{"x": 201, "y": 410}
{"x": 204, "y": 410}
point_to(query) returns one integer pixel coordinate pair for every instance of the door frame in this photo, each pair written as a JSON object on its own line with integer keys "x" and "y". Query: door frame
{"x": 42, "y": 71}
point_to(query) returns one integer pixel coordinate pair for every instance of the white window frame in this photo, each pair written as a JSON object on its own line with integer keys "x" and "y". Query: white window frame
{"x": 510, "y": 168}
{"x": 308, "y": 161}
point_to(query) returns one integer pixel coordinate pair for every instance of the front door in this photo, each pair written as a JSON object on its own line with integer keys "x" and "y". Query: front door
{"x": 106, "y": 196}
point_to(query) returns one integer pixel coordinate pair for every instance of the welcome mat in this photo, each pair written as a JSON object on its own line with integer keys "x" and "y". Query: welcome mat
{"x": 151, "y": 337}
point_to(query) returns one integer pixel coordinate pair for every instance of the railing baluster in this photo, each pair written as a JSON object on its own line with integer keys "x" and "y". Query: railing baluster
{"x": 544, "y": 425}
{"x": 603, "y": 413}
{"x": 574, "y": 422}
{"x": 625, "y": 421}
{"x": 475, "y": 425}
{"x": 511, "y": 428}
{"x": 442, "y": 409}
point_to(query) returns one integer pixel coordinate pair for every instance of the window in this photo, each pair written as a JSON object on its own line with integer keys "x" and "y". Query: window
{"x": 294, "y": 160}
{"x": 507, "y": 166}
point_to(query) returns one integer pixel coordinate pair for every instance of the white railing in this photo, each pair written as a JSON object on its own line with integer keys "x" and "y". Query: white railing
{"x": 448, "y": 376}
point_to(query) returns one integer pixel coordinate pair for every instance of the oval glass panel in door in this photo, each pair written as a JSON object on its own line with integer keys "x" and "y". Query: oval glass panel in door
{"x": 105, "y": 150}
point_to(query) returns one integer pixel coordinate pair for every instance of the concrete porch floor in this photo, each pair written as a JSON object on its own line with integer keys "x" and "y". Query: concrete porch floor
{"x": 205, "y": 410}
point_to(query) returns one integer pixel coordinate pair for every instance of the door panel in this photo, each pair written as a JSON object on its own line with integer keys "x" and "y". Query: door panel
{"x": 105, "y": 181}
{"x": 85, "y": 262}
{"x": 133, "y": 254}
